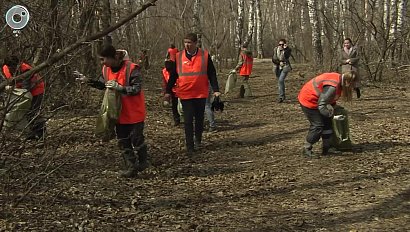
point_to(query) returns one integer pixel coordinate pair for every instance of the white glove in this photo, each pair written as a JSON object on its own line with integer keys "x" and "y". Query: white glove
{"x": 8, "y": 88}
{"x": 80, "y": 77}
{"x": 113, "y": 84}
{"x": 233, "y": 71}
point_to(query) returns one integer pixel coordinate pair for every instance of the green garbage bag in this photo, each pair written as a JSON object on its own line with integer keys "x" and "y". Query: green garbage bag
{"x": 230, "y": 83}
{"x": 16, "y": 113}
{"x": 109, "y": 114}
{"x": 341, "y": 134}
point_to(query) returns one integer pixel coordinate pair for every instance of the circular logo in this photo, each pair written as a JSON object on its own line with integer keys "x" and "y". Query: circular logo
{"x": 17, "y": 17}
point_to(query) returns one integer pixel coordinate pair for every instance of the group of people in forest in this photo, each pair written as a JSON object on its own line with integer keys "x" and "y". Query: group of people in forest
{"x": 190, "y": 78}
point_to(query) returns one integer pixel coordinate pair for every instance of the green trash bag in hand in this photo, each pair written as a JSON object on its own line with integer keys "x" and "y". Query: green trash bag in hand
{"x": 20, "y": 104}
{"x": 230, "y": 82}
{"x": 109, "y": 114}
{"x": 341, "y": 133}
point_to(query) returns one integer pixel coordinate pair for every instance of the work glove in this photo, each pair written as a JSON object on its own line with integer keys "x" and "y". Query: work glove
{"x": 113, "y": 84}
{"x": 8, "y": 88}
{"x": 331, "y": 110}
{"x": 80, "y": 77}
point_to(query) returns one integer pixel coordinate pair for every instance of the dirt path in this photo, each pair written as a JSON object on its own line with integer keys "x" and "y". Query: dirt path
{"x": 250, "y": 176}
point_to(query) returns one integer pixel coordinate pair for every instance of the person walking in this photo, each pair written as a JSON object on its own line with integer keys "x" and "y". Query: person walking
{"x": 317, "y": 99}
{"x": 14, "y": 66}
{"x": 280, "y": 59}
{"x": 194, "y": 71}
{"x": 244, "y": 67}
{"x": 126, "y": 78}
{"x": 169, "y": 64}
{"x": 349, "y": 61}
{"x": 171, "y": 53}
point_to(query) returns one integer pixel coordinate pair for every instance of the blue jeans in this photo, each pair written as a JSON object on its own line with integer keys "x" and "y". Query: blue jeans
{"x": 281, "y": 75}
{"x": 208, "y": 111}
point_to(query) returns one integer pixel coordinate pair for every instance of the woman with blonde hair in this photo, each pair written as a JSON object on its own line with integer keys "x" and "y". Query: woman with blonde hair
{"x": 317, "y": 99}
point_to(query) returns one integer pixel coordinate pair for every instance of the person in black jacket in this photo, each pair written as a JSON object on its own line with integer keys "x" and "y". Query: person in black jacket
{"x": 280, "y": 58}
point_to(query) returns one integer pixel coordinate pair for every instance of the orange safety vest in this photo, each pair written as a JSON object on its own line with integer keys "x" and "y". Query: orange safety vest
{"x": 193, "y": 75}
{"x": 132, "y": 106}
{"x": 310, "y": 92}
{"x": 247, "y": 65}
{"x": 172, "y": 53}
{"x": 165, "y": 79}
{"x": 35, "y": 79}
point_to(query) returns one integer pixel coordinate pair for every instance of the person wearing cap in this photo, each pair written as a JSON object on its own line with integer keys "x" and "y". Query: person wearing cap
{"x": 195, "y": 72}
{"x": 122, "y": 75}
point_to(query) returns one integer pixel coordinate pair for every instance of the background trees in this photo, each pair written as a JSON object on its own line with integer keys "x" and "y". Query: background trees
{"x": 314, "y": 28}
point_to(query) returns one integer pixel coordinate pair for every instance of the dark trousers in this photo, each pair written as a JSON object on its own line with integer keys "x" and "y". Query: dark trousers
{"x": 320, "y": 126}
{"x": 174, "y": 105}
{"x": 193, "y": 109}
{"x": 37, "y": 122}
{"x": 130, "y": 136}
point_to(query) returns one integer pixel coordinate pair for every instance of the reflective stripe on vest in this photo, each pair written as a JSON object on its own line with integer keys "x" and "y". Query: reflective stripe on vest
{"x": 34, "y": 79}
{"x": 127, "y": 73}
{"x": 316, "y": 84}
{"x": 310, "y": 92}
{"x": 132, "y": 106}
{"x": 192, "y": 75}
{"x": 203, "y": 71}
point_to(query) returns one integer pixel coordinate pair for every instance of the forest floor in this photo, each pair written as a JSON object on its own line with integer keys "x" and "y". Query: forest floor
{"x": 250, "y": 175}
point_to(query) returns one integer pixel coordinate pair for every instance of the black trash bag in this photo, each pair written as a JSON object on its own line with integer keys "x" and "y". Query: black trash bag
{"x": 217, "y": 104}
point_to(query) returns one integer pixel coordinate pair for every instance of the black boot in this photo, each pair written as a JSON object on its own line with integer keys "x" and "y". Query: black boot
{"x": 198, "y": 143}
{"x": 129, "y": 159}
{"x": 143, "y": 163}
{"x": 307, "y": 151}
{"x": 241, "y": 92}
{"x": 358, "y": 94}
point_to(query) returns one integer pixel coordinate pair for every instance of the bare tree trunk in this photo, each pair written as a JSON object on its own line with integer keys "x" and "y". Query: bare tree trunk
{"x": 105, "y": 18}
{"x": 251, "y": 23}
{"x": 84, "y": 40}
{"x": 316, "y": 33}
{"x": 401, "y": 20}
{"x": 259, "y": 29}
{"x": 306, "y": 30}
{"x": 394, "y": 34}
{"x": 239, "y": 24}
{"x": 197, "y": 22}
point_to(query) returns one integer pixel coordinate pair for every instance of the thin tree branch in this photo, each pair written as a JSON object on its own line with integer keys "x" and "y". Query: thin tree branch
{"x": 56, "y": 57}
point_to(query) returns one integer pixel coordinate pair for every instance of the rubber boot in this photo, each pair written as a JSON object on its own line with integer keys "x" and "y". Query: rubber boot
{"x": 307, "y": 150}
{"x": 326, "y": 144}
{"x": 241, "y": 92}
{"x": 198, "y": 142}
{"x": 143, "y": 163}
{"x": 129, "y": 159}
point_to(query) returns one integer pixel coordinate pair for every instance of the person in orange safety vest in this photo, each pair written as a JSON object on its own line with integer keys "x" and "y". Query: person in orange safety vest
{"x": 13, "y": 67}
{"x": 171, "y": 53}
{"x": 317, "y": 99}
{"x": 169, "y": 64}
{"x": 194, "y": 71}
{"x": 125, "y": 77}
{"x": 244, "y": 67}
